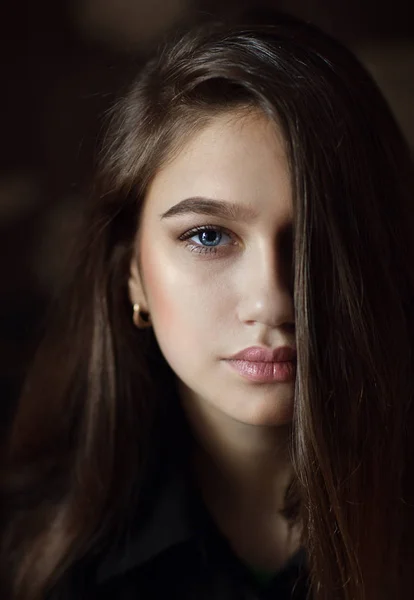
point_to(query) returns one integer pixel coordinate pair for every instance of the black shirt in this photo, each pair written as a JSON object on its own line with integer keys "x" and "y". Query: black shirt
{"x": 175, "y": 551}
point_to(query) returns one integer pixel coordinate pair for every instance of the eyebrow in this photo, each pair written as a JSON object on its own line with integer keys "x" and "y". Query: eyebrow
{"x": 208, "y": 206}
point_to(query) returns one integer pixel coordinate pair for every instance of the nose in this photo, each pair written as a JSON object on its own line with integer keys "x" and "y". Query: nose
{"x": 266, "y": 296}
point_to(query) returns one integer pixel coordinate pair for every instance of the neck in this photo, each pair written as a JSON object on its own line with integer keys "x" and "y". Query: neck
{"x": 244, "y": 464}
{"x": 243, "y": 472}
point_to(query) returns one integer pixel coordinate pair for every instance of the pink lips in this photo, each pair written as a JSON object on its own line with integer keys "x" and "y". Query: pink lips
{"x": 264, "y": 365}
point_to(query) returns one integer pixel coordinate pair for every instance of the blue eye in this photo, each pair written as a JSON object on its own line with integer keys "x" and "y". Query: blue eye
{"x": 207, "y": 238}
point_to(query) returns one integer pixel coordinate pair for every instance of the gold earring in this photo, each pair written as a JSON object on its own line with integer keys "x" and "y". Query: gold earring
{"x": 140, "y": 319}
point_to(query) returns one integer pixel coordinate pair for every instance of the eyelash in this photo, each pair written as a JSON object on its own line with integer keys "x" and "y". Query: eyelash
{"x": 200, "y": 249}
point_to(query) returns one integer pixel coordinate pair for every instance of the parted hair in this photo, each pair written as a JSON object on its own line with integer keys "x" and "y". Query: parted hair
{"x": 94, "y": 398}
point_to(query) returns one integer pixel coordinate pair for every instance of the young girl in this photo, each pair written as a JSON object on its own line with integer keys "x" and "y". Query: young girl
{"x": 222, "y": 406}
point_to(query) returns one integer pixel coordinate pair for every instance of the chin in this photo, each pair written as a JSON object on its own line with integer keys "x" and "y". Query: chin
{"x": 265, "y": 416}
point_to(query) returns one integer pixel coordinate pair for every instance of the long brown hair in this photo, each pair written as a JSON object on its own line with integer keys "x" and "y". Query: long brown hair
{"x": 81, "y": 437}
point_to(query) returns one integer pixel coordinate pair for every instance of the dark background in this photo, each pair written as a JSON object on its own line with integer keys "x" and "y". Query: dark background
{"x": 62, "y": 64}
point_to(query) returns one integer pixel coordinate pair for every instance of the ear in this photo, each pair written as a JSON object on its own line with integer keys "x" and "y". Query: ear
{"x": 135, "y": 287}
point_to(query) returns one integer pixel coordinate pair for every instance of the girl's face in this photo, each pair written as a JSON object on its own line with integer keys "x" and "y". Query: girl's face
{"x": 215, "y": 246}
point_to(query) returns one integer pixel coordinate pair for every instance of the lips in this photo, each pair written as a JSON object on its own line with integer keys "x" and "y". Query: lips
{"x": 265, "y": 365}
{"x": 266, "y": 355}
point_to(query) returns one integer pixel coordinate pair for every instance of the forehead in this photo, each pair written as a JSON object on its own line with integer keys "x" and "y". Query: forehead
{"x": 238, "y": 157}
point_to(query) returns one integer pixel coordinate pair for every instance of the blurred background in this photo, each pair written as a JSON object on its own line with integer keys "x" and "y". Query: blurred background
{"x": 62, "y": 66}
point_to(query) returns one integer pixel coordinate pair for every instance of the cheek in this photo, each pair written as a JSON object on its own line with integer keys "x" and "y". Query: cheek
{"x": 162, "y": 296}
{"x": 188, "y": 303}
{"x": 168, "y": 292}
